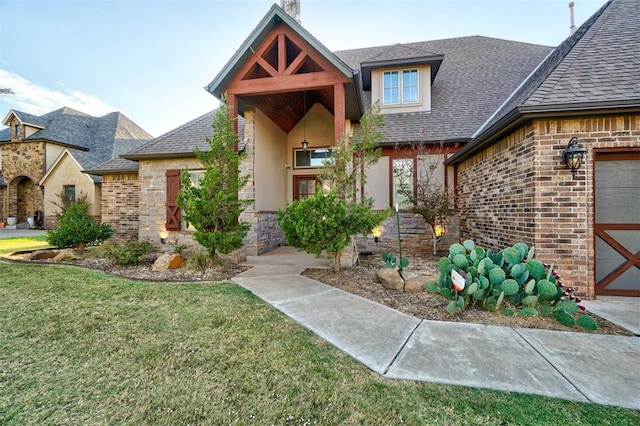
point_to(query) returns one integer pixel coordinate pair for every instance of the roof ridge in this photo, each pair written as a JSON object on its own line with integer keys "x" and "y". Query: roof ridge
{"x": 556, "y": 74}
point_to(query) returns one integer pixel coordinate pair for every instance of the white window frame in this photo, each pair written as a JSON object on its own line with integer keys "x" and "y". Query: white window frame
{"x": 401, "y": 86}
{"x": 405, "y": 163}
{"x": 194, "y": 177}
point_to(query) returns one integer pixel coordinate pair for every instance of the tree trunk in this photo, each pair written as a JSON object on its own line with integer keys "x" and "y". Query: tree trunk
{"x": 336, "y": 262}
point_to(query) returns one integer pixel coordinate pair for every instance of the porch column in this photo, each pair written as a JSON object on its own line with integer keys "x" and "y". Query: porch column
{"x": 339, "y": 111}
{"x": 247, "y": 167}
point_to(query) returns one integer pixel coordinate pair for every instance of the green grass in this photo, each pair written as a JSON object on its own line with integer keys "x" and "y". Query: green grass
{"x": 8, "y": 245}
{"x": 81, "y": 347}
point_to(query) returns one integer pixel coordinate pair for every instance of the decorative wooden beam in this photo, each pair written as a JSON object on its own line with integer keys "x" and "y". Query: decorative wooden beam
{"x": 339, "y": 111}
{"x": 296, "y": 64}
{"x": 282, "y": 54}
{"x": 287, "y": 83}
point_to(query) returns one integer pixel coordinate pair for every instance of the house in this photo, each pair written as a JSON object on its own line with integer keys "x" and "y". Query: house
{"x": 513, "y": 185}
{"x": 44, "y": 156}
{"x": 287, "y": 87}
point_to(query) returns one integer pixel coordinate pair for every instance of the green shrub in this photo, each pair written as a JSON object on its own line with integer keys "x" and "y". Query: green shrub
{"x": 511, "y": 276}
{"x": 77, "y": 229}
{"x": 128, "y": 253}
{"x": 199, "y": 261}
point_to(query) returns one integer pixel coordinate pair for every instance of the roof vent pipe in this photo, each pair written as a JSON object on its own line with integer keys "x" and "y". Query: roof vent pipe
{"x": 572, "y": 28}
{"x": 292, "y": 8}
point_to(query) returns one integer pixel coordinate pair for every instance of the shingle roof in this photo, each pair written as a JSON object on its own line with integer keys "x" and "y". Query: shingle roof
{"x": 91, "y": 140}
{"x": 181, "y": 141}
{"x": 597, "y": 67}
{"x": 476, "y": 76}
{"x": 115, "y": 165}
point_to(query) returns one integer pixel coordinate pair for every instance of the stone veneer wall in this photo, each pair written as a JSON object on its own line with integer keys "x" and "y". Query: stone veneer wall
{"x": 415, "y": 235}
{"x": 120, "y": 197}
{"x": 22, "y": 159}
{"x": 505, "y": 198}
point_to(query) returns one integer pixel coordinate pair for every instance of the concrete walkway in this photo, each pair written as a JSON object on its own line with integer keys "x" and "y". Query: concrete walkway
{"x": 576, "y": 366}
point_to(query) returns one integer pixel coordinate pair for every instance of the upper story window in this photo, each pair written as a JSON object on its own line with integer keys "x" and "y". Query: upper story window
{"x": 70, "y": 194}
{"x": 400, "y": 87}
{"x": 312, "y": 157}
{"x": 17, "y": 131}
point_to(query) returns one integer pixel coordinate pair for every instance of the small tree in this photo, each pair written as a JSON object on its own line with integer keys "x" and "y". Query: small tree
{"x": 77, "y": 229}
{"x": 212, "y": 207}
{"x": 328, "y": 221}
{"x": 429, "y": 199}
{"x": 6, "y": 91}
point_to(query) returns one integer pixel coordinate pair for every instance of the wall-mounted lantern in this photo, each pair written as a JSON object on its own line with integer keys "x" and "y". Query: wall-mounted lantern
{"x": 163, "y": 237}
{"x": 573, "y": 156}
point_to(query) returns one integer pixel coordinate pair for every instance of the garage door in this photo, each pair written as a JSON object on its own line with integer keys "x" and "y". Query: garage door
{"x": 617, "y": 223}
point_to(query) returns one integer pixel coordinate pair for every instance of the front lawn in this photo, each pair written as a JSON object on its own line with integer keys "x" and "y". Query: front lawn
{"x": 81, "y": 347}
{"x": 8, "y": 245}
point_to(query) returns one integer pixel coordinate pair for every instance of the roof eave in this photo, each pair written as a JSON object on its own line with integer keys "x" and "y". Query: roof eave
{"x": 158, "y": 156}
{"x": 434, "y": 60}
{"x": 101, "y": 172}
{"x": 523, "y": 114}
{"x": 274, "y": 17}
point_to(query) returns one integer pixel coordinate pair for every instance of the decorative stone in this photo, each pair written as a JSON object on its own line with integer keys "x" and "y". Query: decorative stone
{"x": 42, "y": 254}
{"x": 390, "y": 279}
{"x": 66, "y": 254}
{"x": 168, "y": 261}
{"x": 415, "y": 284}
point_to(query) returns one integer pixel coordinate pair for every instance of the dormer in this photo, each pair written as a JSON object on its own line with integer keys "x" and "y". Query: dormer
{"x": 400, "y": 78}
{"x": 22, "y": 125}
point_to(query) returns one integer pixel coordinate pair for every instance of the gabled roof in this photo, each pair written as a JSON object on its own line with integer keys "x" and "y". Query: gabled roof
{"x": 595, "y": 70}
{"x": 91, "y": 140}
{"x": 476, "y": 75}
{"x": 271, "y": 20}
{"x": 24, "y": 118}
{"x": 181, "y": 141}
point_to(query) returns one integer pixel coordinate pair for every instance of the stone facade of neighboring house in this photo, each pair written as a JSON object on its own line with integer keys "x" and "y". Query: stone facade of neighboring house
{"x": 44, "y": 156}
{"x": 513, "y": 185}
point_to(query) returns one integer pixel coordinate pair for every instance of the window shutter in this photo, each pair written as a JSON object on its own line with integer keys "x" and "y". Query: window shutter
{"x": 174, "y": 219}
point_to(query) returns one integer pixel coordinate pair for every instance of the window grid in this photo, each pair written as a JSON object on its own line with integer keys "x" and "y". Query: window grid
{"x": 400, "y": 88}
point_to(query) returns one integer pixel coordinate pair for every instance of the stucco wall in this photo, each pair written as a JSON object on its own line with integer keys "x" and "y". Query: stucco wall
{"x": 68, "y": 172}
{"x": 270, "y": 172}
{"x": 519, "y": 190}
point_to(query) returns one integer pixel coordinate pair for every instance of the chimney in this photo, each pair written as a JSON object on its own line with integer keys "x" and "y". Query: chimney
{"x": 572, "y": 28}
{"x": 292, "y": 7}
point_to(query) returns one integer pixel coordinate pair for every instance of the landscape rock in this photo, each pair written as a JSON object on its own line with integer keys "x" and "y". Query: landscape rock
{"x": 168, "y": 261}
{"x": 66, "y": 254}
{"x": 415, "y": 284}
{"x": 390, "y": 279}
{"x": 43, "y": 254}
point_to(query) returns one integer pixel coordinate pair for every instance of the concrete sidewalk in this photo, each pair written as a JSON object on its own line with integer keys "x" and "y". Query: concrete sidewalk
{"x": 576, "y": 366}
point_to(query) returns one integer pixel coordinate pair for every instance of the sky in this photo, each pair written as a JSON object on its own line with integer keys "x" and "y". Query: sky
{"x": 150, "y": 59}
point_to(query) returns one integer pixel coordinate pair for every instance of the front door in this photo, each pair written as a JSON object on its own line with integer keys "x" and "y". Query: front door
{"x": 304, "y": 186}
{"x": 617, "y": 223}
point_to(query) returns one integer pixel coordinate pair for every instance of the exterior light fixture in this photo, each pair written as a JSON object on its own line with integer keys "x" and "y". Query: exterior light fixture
{"x": 163, "y": 237}
{"x": 573, "y": 156}
{"x": 377, "y": 232}
{"x": 304, "y": 142}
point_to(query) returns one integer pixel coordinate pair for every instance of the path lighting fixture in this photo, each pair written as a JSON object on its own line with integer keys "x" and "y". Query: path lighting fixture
{"x": 163, "y": 237}
{"x": 377, "y": 232}
{"x": 304, "y": 142}
{"x": 573, "y": 155}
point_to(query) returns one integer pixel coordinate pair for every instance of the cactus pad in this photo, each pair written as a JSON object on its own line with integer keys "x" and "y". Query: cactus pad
{"x": 547, "y": 289}
{"x": 460, "y": 260}
{"x": 586, "y": 322}
{"x": 510, "y": 287}
{"x": 530, "y": 301}
{"x": 456, "y": 249}
{"x": 469, "y": 245}
{"x": 496, "y": 276}
{"x": 536, "y": 269}
{"x": 511, "y": 255}
{"x": 528, "y": 312}
{"x": 564, "y": 318}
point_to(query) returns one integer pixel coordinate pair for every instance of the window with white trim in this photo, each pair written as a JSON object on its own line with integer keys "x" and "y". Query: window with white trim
{"x": 400, "y": 87}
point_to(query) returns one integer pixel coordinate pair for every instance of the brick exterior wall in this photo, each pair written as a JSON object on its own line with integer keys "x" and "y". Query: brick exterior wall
{"x": 120, "y": 195}
{"x": 519, "y": 190}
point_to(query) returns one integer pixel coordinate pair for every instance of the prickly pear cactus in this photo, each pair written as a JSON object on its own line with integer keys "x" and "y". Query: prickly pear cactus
{"x": 510, "y": 287}
{"x": 547, "y": 289}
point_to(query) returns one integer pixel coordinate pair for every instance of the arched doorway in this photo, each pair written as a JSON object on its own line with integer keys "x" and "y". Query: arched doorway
{"x": 25, "y": 194}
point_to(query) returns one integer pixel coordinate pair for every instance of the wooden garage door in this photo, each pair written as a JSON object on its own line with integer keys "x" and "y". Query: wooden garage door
{"x": 617, "y": 223}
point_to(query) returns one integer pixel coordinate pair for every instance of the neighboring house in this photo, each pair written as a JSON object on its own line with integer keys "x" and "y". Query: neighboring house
{"x": 513, "y": 186}
{"x": 287, "y": 87}
{"x": 44, "y": 156}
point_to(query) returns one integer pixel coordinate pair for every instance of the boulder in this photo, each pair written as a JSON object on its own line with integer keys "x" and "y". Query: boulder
{"x": 415, "y": 284}
{"x": 168, "y": 261}
{"x": 390, "y": 279}
{"x": 43, "y": 254}
{"x": 66, "y": 254}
